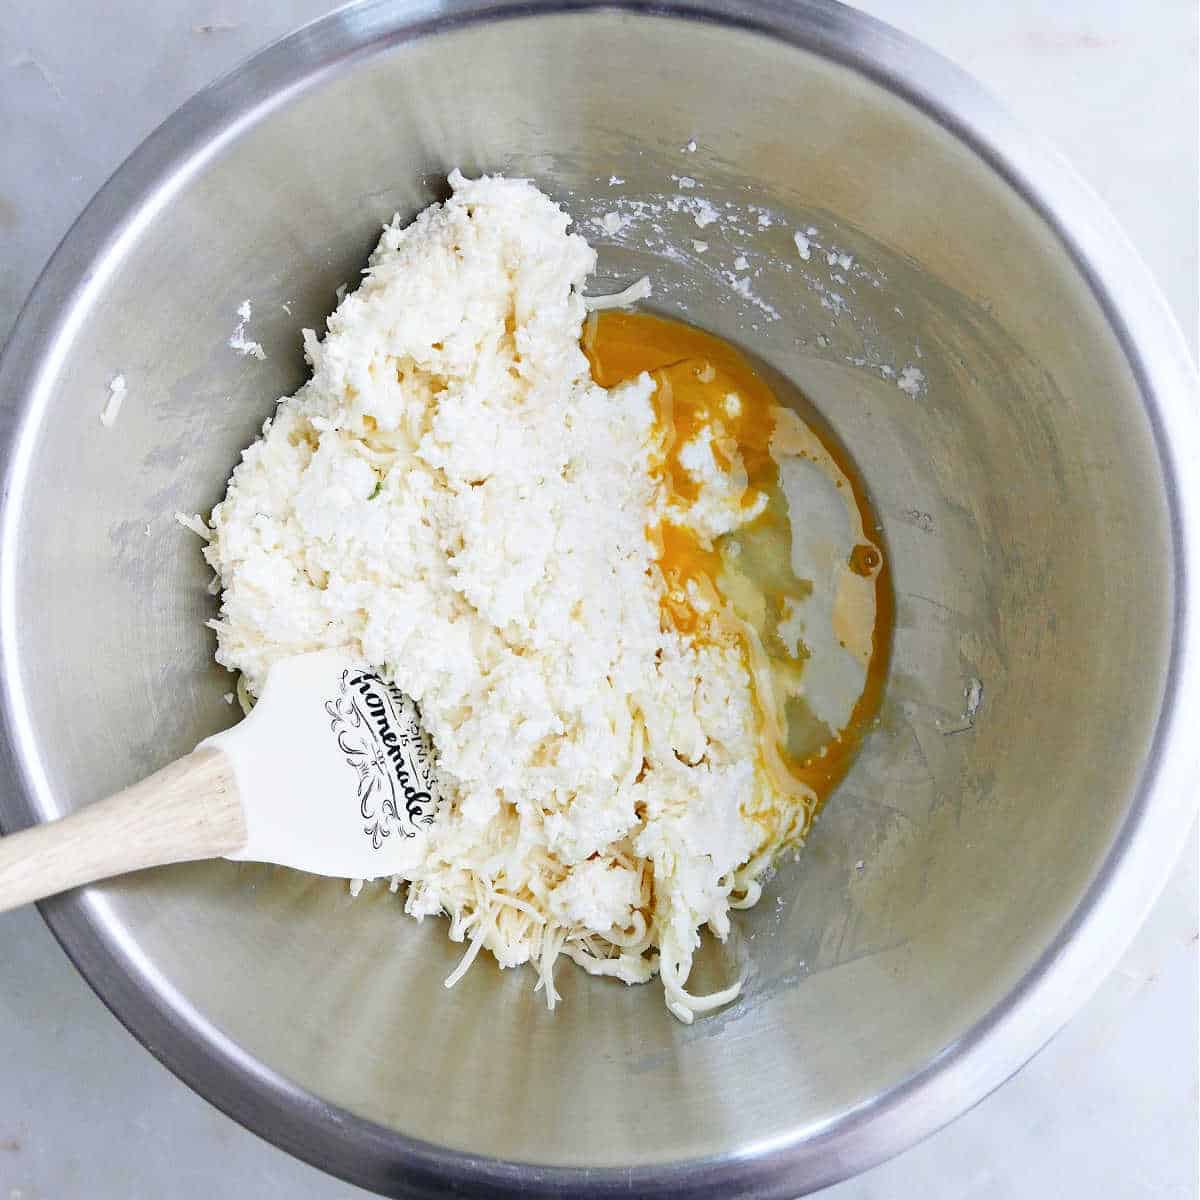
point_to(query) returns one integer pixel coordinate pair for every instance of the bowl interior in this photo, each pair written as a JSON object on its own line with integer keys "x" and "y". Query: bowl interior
{"x": 935, "y": 324}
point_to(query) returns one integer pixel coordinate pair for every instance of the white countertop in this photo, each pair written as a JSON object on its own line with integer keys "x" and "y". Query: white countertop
{"x": 1107, "y": 1111}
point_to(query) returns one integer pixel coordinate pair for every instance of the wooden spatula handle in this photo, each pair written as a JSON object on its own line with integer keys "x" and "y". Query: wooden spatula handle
{"x": 186, "y": 811}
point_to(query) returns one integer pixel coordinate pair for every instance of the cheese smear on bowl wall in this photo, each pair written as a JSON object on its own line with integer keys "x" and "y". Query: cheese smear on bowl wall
{"x": 455, "y": 498}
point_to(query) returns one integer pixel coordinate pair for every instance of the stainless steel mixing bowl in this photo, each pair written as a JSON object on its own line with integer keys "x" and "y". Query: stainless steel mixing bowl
{"x": 1006, "y": 826}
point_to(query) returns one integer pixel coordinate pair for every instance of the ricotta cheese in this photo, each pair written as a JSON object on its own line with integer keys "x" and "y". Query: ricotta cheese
{"x": 453, "y": 498}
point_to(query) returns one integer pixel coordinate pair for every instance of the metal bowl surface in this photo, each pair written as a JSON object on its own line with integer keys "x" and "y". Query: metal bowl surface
{"x": 984, "y": 863}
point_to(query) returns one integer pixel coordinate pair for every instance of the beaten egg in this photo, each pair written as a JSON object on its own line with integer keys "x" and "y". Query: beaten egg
{"x": 806, "y": 576}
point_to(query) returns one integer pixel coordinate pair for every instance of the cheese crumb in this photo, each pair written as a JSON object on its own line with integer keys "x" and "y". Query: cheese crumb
{"x": 194, "y": 522}
{"x": 612, "y": 223}
{"x": 116, "y": 397}
{"x": 238, "y": 340}
{"x": 911, "y": 380}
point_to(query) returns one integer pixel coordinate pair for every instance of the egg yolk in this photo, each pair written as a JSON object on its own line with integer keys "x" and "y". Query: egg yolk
{"x": 708, "y": 393}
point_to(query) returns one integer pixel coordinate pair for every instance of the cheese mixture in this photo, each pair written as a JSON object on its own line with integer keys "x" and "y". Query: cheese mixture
{"x": 454, "y": 498}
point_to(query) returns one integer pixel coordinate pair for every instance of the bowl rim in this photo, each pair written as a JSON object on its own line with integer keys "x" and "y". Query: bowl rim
{"x": 1108, "y": 913}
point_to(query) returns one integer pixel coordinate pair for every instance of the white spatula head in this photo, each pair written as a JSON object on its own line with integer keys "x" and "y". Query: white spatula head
{"x": 333, "y": 771}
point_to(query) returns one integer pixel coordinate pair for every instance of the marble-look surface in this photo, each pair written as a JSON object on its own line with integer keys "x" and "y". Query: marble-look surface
{"x": 1108, "y": 1111}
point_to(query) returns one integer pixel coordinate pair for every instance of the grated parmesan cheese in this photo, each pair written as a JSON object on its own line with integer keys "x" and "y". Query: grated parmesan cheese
{"x": 638, "y": 290}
